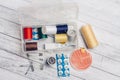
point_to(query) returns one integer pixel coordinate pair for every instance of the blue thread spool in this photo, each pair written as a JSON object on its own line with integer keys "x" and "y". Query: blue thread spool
{"x": 62, "y": 28}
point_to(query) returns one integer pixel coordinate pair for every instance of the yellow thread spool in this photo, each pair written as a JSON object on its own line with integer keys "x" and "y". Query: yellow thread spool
{"x": 89, "y": 36}
{"x": 61, "y": 38}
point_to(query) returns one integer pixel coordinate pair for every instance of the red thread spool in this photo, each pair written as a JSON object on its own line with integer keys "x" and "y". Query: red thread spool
{"x": 80, "y": 59}
{"x": 27, "y": 32}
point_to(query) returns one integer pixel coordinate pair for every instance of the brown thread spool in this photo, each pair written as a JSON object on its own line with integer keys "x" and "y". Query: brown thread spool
{"x": 31, "y": 46}
{"x": 89, "y": 36}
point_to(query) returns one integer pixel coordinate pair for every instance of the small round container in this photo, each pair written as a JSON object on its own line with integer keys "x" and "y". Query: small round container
{"x": 80, "y": 59}
{"x": 51, "y": 60}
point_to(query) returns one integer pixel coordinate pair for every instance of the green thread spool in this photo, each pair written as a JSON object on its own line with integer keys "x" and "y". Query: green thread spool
{"x": 40, "y": 34}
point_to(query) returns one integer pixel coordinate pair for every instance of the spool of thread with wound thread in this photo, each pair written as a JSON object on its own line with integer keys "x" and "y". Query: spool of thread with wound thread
{"x": 61, "y": 38}
{"x": 27, "y": 33}
{"x": 31, "y": 46}
{"x": 58, "y": 29}
{"x": 40, "y": 34}
{"x": 62, "y": 28}
{"x": 89, "y": 36}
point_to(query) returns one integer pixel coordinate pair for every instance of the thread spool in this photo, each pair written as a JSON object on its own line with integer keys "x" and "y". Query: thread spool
{"x": 70, "y": 28}
{"x": 71, "y": 35}
{"x": 40, "y": 34}
{"x": 51, "y": 60}
{"x": 61, "y": 38}
{"x": 27, "y": 33}
{"x": 80, "y": 59}
{"x": 62, "y": 28}
{"x": 58, "y": 29}
{"x": 49, "y": 30}
{"x": 31, "y": 46}
{"x": 89, "y": 36}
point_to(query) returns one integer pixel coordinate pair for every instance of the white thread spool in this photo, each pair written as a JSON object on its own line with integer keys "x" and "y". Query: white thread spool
{"x": 49, "y": 30}
{"x": 70, "y": 28}
{"x": 71, "y": 35}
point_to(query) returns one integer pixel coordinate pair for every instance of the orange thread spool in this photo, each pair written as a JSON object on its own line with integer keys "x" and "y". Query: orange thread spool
{"x": 80, "y": 59}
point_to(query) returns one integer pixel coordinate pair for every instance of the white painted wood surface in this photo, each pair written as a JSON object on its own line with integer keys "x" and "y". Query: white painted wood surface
{"x": 103, "y": 15}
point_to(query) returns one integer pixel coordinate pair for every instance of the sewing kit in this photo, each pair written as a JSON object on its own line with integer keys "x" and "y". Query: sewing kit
{"x": 37, "y": 39}
{"x": 58, "y": 38}
{"x": 45, "y": 33}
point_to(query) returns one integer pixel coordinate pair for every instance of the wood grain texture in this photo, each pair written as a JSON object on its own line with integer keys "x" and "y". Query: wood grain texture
{"x": 102, "y": 15}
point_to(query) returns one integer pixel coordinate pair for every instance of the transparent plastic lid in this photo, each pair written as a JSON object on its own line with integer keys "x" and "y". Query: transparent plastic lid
{"x": 47, "y": 13}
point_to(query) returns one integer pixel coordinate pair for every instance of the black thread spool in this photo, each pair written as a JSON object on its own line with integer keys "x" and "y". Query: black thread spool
{"x": 51, "y": 61}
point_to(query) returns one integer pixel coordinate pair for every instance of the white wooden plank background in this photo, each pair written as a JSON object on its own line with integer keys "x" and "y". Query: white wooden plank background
{"x": 103, "y": 15}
